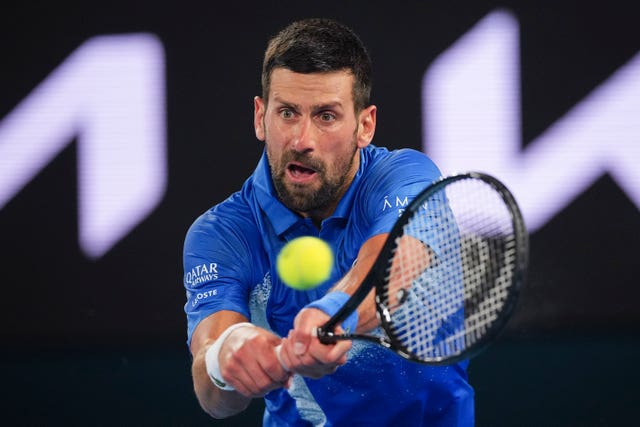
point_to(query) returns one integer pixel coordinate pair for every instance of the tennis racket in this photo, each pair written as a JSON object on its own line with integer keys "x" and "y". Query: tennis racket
{"x": 448, "y": 276}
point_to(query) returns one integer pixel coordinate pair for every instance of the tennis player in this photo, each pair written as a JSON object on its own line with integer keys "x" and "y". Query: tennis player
{"x": 319, "y": 175}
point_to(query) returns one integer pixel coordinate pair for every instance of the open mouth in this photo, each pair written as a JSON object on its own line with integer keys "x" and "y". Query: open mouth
{"x": 300, "y": 173}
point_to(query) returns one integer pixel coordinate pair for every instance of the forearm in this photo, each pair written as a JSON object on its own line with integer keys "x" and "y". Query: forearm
{"x": 410, "y": 251}
{"x": 240, "y": 356}
{"x": 216, "y": 402}
{"x": 367, "y": 318}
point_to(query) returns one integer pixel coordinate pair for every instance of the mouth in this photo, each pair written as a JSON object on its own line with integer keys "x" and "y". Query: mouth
{"x": 299, "y": 173}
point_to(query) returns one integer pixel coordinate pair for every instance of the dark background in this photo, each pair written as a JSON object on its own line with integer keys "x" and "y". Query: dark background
{"x": 102, "y": 342}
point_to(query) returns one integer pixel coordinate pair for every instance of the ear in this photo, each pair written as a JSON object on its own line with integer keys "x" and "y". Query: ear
{"x": 366, "y": 125}
{"x": 258, "y": 117}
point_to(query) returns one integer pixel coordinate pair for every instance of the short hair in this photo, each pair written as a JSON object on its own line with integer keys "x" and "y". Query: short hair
{"x": 319, "y": 45}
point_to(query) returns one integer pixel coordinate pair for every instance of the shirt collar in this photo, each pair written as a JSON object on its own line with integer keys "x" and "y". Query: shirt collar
{"x": 283, "y": 218}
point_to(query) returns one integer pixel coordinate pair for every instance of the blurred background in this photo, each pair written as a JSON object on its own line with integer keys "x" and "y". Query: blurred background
{"x": 120, "y": 122}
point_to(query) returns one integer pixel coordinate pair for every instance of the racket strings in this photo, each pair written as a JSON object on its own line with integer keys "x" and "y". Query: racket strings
{"x": 451, "y": 270}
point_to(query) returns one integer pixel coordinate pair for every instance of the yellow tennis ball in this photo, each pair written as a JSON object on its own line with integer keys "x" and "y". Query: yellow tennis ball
{"x": 305, "y": 262}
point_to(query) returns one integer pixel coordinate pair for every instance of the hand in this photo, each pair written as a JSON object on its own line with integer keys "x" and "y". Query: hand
{"x": 248, "y": 362}
{"x": 302, "y": 353}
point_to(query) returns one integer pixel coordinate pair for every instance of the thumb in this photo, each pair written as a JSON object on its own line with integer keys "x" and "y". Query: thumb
{"x": 300, "y": 343}
{"x": 305, "y": 329}
{"x": 301, "y": 340}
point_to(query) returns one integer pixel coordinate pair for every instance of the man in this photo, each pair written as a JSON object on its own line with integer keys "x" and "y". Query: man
{"x": 319, "y": 175}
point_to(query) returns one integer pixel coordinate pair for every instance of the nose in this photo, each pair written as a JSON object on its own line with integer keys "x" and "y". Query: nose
{"x": 304, "y": 138}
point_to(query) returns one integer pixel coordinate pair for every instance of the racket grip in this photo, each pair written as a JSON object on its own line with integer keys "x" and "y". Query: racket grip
{"x": 325, "y": 336}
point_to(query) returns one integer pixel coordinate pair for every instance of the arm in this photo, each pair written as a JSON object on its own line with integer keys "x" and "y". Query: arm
{"x": 301, "y": 351}
{"x": 247, "y": 362}
{"x": 367, "y": 318}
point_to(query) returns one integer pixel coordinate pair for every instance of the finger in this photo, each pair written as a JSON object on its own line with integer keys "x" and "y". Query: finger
{"x": 302, "y": 364}
{"x": 274, "y": 367}
{"x": 297, "y": 363}
{"x": 311, "y": 366}
{"x": 330, "y": 354}
{"x": 305, "y": 330}
{"x": 278, "y": 350}
{"x": 257, "y": 382}
{"x": 256, "y": 369}
{"x": 319, "y": 352}
{"x": 240, "y": 379}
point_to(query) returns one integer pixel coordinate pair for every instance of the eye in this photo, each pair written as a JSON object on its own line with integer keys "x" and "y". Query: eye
{"x": 327, "y": 116}
{"x": 286, "y": 113}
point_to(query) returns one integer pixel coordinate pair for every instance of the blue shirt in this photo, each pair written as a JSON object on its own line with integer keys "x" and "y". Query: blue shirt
{"x": 229, "y": 262}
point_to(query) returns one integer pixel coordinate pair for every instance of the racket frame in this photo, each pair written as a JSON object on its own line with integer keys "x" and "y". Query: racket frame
{"x": 376, "y": 276}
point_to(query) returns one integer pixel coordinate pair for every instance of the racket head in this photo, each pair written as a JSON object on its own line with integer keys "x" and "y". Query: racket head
{"x": 455, "y": 306}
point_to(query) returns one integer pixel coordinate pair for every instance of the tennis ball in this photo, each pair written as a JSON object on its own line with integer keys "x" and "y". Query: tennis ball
{"x": 305, "y": 262}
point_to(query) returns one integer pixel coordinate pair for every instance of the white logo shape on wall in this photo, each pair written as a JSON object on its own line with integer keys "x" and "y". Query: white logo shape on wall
{"x": 109, "y": 96}
{"x": 472, "y": 110}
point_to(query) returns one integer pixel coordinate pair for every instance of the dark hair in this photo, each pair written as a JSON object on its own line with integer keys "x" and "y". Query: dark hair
{"x": 319, "y": 45}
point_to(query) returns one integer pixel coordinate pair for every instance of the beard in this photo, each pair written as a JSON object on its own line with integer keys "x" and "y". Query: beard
{"x": 309, "y": 198}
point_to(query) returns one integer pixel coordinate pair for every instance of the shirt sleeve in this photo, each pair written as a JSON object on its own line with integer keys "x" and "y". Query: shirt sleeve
{"x": 214, "y": 280}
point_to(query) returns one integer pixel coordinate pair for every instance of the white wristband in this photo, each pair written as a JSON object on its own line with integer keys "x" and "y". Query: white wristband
{"x": 211, "y": 357}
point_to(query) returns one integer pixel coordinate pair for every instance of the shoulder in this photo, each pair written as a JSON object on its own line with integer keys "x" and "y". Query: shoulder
{"x": 408, "y": 159}
{"x": 232, "y": 210}
{"x": 383, "y": 167}
{"x": 229, "y": 221}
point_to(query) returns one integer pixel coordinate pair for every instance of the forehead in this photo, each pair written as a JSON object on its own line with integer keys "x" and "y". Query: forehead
{"x": 313, "y": 88}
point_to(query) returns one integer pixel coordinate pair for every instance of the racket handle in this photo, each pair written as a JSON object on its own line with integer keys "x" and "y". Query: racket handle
{"x": 325, "y": 336}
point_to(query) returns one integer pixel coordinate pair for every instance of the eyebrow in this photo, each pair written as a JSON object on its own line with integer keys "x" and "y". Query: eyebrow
{"x": 316, "y": 107}
{"x": 327, "y": 106}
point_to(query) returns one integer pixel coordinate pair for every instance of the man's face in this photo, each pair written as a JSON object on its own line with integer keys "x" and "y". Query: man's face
{"x": 312, "y": 137}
